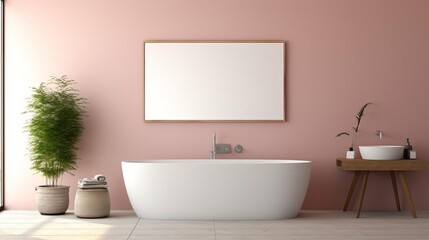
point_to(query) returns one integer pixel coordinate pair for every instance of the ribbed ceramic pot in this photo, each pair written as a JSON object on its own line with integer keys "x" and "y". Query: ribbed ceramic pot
{"x": 52, "y": 200}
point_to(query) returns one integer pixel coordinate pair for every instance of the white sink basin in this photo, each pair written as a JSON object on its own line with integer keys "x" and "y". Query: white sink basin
{"x": 381, "y": 152}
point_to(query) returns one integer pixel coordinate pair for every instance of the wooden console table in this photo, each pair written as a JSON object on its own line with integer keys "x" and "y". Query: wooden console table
{"x": 360, "y": 166}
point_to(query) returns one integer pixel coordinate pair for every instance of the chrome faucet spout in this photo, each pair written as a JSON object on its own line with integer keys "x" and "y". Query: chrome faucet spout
{"x": 213, "y": 152}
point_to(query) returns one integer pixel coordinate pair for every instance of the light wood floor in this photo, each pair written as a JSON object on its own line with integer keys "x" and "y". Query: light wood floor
{"x": 308, "y": 225}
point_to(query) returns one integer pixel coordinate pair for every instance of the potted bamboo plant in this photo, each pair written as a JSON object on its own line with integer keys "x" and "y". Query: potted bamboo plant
{"x": 55, "y": 127}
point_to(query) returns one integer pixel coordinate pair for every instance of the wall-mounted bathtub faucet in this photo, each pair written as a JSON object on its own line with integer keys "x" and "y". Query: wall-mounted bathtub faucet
{"x": 213, "y": 152}
{"x": 219, "y": 147}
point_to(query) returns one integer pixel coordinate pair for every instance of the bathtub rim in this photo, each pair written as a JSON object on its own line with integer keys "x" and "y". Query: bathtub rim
{"x": 219, "y": 161}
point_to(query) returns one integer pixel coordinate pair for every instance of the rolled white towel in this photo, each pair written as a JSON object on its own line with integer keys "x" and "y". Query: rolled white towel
{"x": 100, "y": 177}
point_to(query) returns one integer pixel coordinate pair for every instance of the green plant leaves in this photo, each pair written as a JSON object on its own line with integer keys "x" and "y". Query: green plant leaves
{"x": 55, "y": 127}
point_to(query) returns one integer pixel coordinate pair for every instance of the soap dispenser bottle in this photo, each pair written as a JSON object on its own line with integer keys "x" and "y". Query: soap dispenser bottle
{"x": 407, "y": 149}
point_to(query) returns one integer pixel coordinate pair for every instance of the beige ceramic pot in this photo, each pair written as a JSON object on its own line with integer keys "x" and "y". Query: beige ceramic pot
{"x": 92, "y": 203}
{"x": 52, "y": 200}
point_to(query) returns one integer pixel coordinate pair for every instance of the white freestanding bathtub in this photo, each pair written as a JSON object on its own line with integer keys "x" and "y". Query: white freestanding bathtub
{"x": 216, "y": 189}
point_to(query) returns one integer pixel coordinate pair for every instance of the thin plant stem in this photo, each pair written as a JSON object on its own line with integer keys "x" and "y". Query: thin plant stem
{"x": 354, "y": 140}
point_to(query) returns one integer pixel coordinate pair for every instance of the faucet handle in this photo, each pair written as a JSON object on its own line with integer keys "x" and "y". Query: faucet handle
{"x": 223, "y": 148}
{"x": 238, "y": 148}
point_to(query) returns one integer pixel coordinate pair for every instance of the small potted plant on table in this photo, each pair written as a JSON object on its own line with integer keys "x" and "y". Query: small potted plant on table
{"x": 55, "y": 127}
{"x": 359, "y": 115}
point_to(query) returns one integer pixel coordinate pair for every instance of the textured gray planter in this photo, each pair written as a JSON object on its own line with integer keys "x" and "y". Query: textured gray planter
{"x": 52, "y": 200}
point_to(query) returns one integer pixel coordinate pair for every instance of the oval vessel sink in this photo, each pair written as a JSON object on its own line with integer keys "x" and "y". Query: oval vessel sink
{"x": 381, "y": 152}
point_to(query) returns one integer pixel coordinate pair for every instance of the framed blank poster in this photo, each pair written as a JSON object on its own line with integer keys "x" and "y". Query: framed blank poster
{"x": 214, "y": 81}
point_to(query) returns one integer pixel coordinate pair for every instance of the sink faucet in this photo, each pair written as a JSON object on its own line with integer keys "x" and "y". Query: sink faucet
{"x": 213, "y": 152}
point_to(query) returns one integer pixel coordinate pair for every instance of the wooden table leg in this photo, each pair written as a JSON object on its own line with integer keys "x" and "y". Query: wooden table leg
{"x": 407, "y": 193}
{"x": 362, "y": 193}
{"x": 395, "y": 190}
{"x": 351, "y": 190}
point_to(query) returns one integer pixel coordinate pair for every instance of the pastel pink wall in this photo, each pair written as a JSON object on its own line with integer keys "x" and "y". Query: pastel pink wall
{"x": 340, "y": 54}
